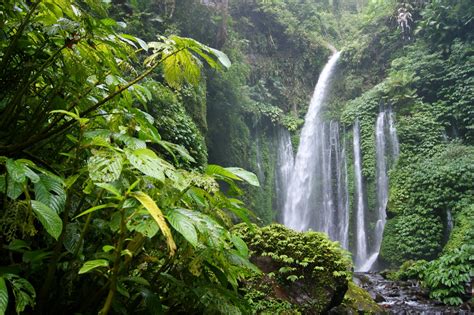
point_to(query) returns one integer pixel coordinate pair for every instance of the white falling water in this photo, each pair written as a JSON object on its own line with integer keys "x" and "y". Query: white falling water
{"x": 284, "y": 166}
{"x": 393, "y": 134}
{"x": 317, "y": 194}
{"x": 305, "y": 203}
{"x": 382, "y": 155}
{"x": 258, "y": 156}
{"x": 341, "y": 219}
{"x": 361, "y": 238}
{"x": 382, "y": 178}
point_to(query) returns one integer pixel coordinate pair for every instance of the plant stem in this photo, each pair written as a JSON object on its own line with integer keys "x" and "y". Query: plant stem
{"x": 115, "y": 271}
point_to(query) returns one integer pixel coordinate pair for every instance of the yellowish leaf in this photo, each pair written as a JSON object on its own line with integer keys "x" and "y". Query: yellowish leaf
{"x": 156, "y": 213}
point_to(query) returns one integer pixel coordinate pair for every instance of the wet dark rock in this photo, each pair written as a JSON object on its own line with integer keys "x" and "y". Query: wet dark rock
{"x": 379, "y": 298}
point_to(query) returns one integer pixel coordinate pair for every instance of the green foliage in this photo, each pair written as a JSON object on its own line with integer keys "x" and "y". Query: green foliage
{"x": 420, "y": 193}
{"x": 463, "y": 231}
{"x": 294, "y": 261}
{"x": 445, "y": 20}
{"x": 410, "y": 269}
{"x": 105, "y": 206}
{"x": 412, "y": 236}
{"x": 446, "y": 276}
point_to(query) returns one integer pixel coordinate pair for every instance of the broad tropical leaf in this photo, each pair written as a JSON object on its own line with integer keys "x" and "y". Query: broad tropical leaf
{"x": 16, "y": 171}
{"x": 50, "y": 191}
{"x": 48, "y": 218}
{"x": 247, "y": 176}
{"x": 23, "y": 291}
{"x": 3, "y": 297}
{"x": 240, "y": 245}
{"x": 105, "y": 167}
{"x": 14, "y": 189}
{"x": 110, "y": 188}
{"x": 179, "y": 149}
{"x": 142, "y": 223}
{"x": 93, "y": 264}
{"x": 220, "y": 172}
{"x": 184, "y": 225}
{"x": 156, "y": 213}
{"x": 147, "y": 162}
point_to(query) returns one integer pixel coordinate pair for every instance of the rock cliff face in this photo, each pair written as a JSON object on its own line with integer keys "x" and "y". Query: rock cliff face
{"x": 303, "y": 269}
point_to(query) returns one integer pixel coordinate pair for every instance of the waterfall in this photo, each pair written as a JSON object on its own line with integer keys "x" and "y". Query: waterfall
{"x": 284, "y": 166}
{"x": 393, "y": 134}
{"x": 361, "y": 238}
{"x": 258, "y": 156}
{"x": 317, "y": 194}
{"x": 382, "y": 155}
{"x": 382, "y": 178}
{"x": 341, "y": 218}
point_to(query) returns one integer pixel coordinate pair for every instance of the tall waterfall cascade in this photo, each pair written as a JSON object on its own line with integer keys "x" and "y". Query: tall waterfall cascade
{"x": 360, "y": 213}
{"x": 386, "y": 149}
{"x": 312, "y": 186}
{"x": 316, "y": 195}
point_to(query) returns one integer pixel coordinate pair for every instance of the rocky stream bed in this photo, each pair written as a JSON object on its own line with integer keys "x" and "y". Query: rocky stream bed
{"x": 404, "y": 297}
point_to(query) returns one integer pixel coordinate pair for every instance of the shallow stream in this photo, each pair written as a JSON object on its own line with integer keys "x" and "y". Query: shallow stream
{"x": 404, "y": 297}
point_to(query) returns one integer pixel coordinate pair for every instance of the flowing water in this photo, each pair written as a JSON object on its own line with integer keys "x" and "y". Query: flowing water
{"x": 404, "y": 297}
{"x": 317, "y": 193}
{"x": 393, "y": 134}
{"x": 361, "y": 237}
{"x": 385, "y": 137}
{"x": 284, "y": 167}
{"x": 308, "y": 203}
{"x": 312, "y": 188}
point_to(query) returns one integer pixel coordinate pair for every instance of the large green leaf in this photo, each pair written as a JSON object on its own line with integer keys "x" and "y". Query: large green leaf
{"x": 147, "y": 162}
{"x": 14, "y": 189}
{"x": 220, "y": 172}
{"x": 105, "y": 167}
{"x": 223, "y": 59}
{"x": 214, "y": 234}
{"x": 3, "y": 296}
{"x": 48, "y": 218}
{"x": 93, "y": 264}
{"x": 50, "y": 191}
{"x": 247, "y": 176}
{"x": 156, "y": 213}
{"x": 240, "y": 245}
{"x": 179, "y": 149}
{"x": 184, "y": 225}
{"x": 16, "y": 171}
{"x": 141, "y": 222}
{"x": 23, "y": 291}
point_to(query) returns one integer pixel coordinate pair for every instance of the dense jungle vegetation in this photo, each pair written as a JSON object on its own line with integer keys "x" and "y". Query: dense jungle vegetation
{"x": 138, "y": 151}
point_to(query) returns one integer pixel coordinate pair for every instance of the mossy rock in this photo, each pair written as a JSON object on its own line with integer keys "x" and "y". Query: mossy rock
{"x": 357, "y": 301}
{"x": 303, "y": 270}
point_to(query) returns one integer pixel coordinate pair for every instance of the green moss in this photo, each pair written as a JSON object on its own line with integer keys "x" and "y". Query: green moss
{"x": 305, "y": 269}
{"x": 358, "y": 300}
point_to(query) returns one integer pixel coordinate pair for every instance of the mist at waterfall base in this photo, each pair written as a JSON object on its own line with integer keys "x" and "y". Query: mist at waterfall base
{"x": 312, "y": 186}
